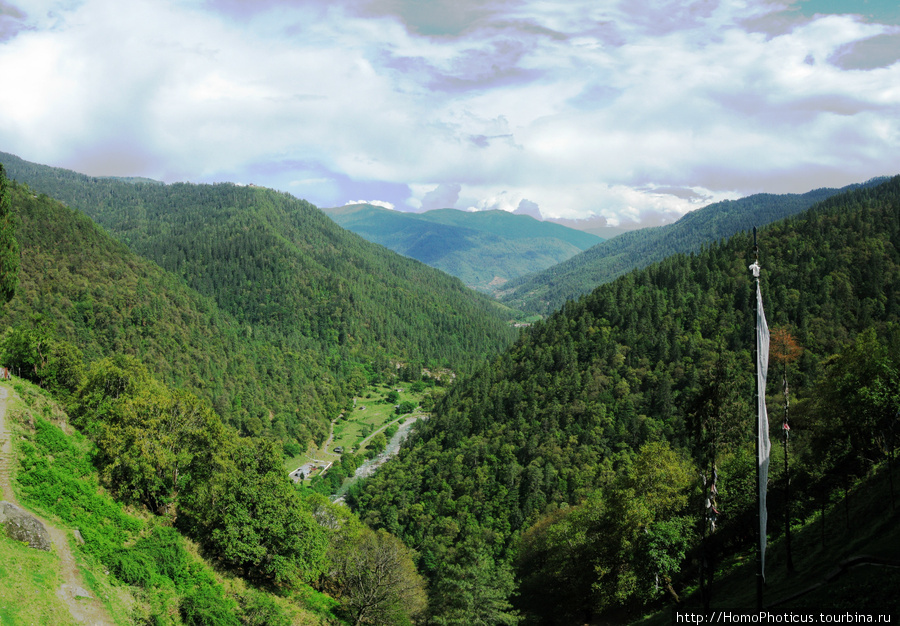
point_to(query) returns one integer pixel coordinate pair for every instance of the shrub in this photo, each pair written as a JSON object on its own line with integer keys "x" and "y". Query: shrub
{"x": 206, "y": 605}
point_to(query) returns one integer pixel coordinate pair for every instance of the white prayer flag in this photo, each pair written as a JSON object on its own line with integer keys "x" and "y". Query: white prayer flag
{"x": 765, "y": 446}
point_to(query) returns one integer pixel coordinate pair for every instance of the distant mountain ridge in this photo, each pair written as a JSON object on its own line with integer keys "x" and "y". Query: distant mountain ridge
{"x": 548, "y": 290}
{"x": 484, "y": 249}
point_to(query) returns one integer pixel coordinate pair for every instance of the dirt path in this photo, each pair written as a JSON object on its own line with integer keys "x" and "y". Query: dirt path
{"x": 5, "y": 450}
{"x": 331, "y": 433}
{"x": 85, "y": 609}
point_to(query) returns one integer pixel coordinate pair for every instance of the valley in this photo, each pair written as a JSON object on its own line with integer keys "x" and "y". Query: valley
{"x": 364, "y": 430}
{"x": 487, "y": 313}
{"x": 182, "y": 350}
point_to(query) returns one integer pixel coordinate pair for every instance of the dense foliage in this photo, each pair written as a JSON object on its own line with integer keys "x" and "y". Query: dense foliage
{"x": 282, "y": 269}
{"x": 81, "y": 290}
{"x": 554, "y": 426}
{"x": 548, "y": 290}
{"x": 57, "y": 477}
{"x": 9, "y": 246}
{"x": 484, "y": 249}
{"x": 165, "y": 449}
{"x": 82, "y": 295}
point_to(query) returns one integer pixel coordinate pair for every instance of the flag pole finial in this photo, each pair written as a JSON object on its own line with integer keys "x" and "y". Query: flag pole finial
{"x": 755, "y": 267}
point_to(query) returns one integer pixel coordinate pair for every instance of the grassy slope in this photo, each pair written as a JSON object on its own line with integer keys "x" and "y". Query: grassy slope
{"x": 29, "y": 579}
{"x": 30, "y": 588}
{"x": 28, "y": 583}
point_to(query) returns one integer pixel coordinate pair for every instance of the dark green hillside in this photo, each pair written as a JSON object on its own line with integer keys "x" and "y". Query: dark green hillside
{"x": 484, "y": 249}
{"x": 89, "y": 290}
{"x": 574, "y": 430}
{"x": 283, "y": 269}
{"x": 548, "y": 290}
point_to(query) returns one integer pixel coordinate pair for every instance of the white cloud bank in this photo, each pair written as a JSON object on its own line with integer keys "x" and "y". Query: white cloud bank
{"x": 636, "y": 111}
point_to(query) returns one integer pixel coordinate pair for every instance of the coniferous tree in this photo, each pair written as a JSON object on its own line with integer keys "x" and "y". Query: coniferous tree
{"x": 9, "y": 247}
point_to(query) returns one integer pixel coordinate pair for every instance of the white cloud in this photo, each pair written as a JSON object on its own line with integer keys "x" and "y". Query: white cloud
{"x": 379, "y": 203}
{"x": 579, "y": 107}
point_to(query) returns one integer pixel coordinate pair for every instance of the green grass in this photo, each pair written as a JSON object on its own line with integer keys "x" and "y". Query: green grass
{"x": 370, "y": 413}
{"x": 141, "y": 569}
{"x": 28, "y": 582}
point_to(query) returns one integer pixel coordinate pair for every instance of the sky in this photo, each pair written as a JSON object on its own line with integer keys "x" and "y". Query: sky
{"x": 633, "y": 112}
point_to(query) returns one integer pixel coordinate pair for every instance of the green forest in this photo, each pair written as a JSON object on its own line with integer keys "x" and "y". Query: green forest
{"x": 563, "y": 476}
{"x": 275, "y": 314}
{"x": 172, "y": 345}
{"x": 164, "y": 390}
{"x": 547, "y": 291}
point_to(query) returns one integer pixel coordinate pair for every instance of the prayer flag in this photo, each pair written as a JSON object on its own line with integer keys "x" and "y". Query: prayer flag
{"x": 765, "y": 446}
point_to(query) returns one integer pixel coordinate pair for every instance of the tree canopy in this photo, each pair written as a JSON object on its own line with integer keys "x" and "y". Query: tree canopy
{"x": 559, "y": 420}
{"x": 9, "y": 246}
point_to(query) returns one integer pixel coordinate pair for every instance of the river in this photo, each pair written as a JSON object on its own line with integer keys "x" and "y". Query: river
{"x": 370, "y": 465}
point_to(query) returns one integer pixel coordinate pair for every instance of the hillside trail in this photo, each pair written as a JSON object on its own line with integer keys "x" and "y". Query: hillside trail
{"x": 331, "y": 434}
{"x": 85, "y": 609}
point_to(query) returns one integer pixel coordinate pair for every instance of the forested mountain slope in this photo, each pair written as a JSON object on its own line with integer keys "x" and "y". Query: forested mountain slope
{"x": 484, "y": 249}
{"x": 79, "y": 285}
{"x": 590, "y": 431}
{"x": 546, "y": 291}
{"x": 280, "y": 266}
{"x": 117, "y": 435}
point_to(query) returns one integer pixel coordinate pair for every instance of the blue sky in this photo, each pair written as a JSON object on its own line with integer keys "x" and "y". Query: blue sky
{"x": 635, "y": 111}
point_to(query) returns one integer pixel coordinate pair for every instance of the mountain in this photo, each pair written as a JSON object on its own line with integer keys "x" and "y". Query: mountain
{"x": 484, "y": 249}
{"x": 570, "y": 463}
{"x": 594, "y": 225}
{"x": 79, "y": 285}
{"x": 130, "y": 460}
{"x": 286, "y": 331}
{"x": 281, "y": 268}
{"x": 546, "y": 291}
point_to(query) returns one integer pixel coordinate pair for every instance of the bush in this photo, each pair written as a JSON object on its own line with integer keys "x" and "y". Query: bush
{"x": 132, "y": 567}
{"x": 258, "y": 609}
{"x": 206, "y": 605}
{"x": 292, "y": 449}
{"x": 163, "y": 547}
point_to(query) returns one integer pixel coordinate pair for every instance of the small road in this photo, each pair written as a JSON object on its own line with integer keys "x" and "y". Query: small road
{"x": 370, "y": 465}
{"x": 386, "y": 426}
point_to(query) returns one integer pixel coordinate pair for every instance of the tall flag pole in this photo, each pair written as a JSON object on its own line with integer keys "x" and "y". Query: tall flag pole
{"x": 763, "y": 445}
